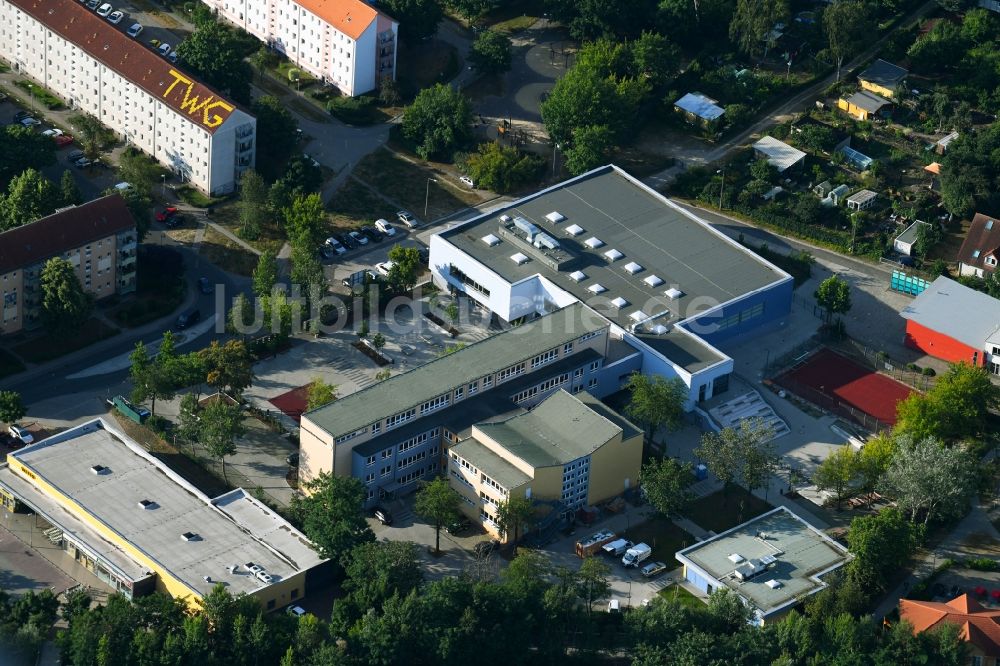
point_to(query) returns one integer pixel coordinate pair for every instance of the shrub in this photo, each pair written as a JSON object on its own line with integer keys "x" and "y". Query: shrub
{"x": 983, "y": 564}
{"x": 353, "y": 110}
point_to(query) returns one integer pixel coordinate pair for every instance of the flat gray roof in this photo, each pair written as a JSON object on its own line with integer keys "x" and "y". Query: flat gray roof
{"x": 883, "y": 73}
{"x": 909, "y": 234}
{"x": 952, "y": 309}
{"x": 556, "y": 431}
{"x": 683, "y": 348}
{"x": 669, "y": 246}
{"x": 416, "y": 386}
{"x": 234, "y": 529}
{"x": 802, "y": 555}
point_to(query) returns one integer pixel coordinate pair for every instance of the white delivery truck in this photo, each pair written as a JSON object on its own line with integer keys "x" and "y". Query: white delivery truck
{"x": 617, "y": 547}
{"x": 636, "y": 554}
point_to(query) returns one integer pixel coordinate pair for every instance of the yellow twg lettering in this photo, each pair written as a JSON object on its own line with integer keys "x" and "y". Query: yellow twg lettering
{"x": 192, "y": 104}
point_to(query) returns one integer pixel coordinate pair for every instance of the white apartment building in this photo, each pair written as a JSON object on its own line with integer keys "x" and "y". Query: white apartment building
{"x": 345, "y": 43}
{"x": 144, "y": 98}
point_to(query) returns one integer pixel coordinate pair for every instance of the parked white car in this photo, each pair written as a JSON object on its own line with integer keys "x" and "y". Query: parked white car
{"x": 164, "y": 49}
{"x": 55, "y": 131}
{"x": 385, "y": 227}
{"x": 104, "y": 10}
{"x": 407, "y": 218}
{"x": 384, "y": 267}
{"x": 116, "y": 17}
{"x": 468, "y": 181}
{"x": 21, "y": 434}
{"x": 134, "y": 30}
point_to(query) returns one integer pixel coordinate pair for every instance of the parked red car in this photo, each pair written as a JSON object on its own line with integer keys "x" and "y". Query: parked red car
{"x": 63, "y": 140}
{"x": 166, "y": 214}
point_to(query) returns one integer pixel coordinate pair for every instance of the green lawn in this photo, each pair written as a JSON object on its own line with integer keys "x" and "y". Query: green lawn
{"x": 40, "y": 94}
{"x": 407, "y": 183}
{"x": 675, "y": 592}
{"x": 228, "y": 215}
{"x": 718, "y": 512}
{"x": 355, "y": 205}
{"x": 9, "y": 365}
{"x": 193, "y": 197}
{"x": 662, "y": 536}
{"x": 226, "y": 254}
{"x": 47, "y": 347}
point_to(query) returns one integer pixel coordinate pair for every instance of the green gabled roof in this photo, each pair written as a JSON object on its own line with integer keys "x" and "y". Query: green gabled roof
{"x": 417, "y": 386}
{"x": 557, "y": 431}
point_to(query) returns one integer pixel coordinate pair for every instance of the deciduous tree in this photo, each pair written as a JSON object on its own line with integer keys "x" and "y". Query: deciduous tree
{"x": 490, "y": 53}
{"x": 837, "y": 472}
{"x": 927, "y": 478}
{"x": 666, "y": 484}
{"x": 847, "y": 25}
{"x": 331, "y": 514}
{"x": 513, "y": 514}
{"x": 253, "y": 205}
{"x": 591, "y": 147}
{"x": 753, "y": 20}
{"x": 502, "y": 168}
{"x": 30, "y": 196}
{"x": 277, "y": 135}
{"x": 655, "y": 402}
{"x": 70, "y": 192}
{"x": 833, "y": 296}
{"x": 65, "y": 306}
{"x": 11, "y": 407}
{"x": 882, "y": 545}
{"x": 592, "y": 581}
{"x": 22, "y": 148}
{"x": 221, "y": 426}
{"x": 954, "y": 408}
{"x": 405, "y": 268}
{"x": 418, "y": 19}
{"x": 265, "y": 275}
{"x": 91, "y": 134}
{"x": 438, "y": 121}
{"x": 437, "y": 502}
{"x": 320, "y": 393}
{"x": 216, "y": 52}
{"x": 228, "y": 367}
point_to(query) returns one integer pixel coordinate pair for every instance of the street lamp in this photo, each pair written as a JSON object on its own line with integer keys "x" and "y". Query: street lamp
{"x": 163, "y": 187}
{"x": 427, "y": 195}
{"x": 31, "y": 93}
{"x": 555, "y": 148}
{"x": 722, "y": 187}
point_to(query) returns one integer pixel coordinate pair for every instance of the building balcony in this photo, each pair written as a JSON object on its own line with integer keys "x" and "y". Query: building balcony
{"x": 127, "y": 268}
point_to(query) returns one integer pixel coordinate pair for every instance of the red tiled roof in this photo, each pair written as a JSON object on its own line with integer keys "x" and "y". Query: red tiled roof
{"x": 137, "y": 63}
{"x": 987, "y": 241}
{"x": 351, "y": 17}
{"x": 979, "y": 626}
{"x": 65, "y": 230}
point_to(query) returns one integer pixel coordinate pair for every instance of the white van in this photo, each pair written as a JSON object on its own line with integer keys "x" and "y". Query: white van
{"x": 614, "y": 606}
{"x": 636, "y": 554}
{"x": 123, "y": 187}
{"x": 617, "y": 547}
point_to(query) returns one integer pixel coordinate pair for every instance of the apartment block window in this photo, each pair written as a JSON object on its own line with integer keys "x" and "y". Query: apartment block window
{"x": 386, "y": 471}
{"x": 547, "y": 357}
{"x": 459, "y": 393}
{"x": 568, "y": 348}
{"x": 386, "y": 453}
{"x": 578, "y": 373}
{"x": 512, "y": 371}
{"x": 376, "y": 427}
{"x": 595, "y": 365}
{"x": 473, "y": 388}
{"x": 487, "y": 382}
{"x": 369, "y": 477}
{"x": 592, "y": 383}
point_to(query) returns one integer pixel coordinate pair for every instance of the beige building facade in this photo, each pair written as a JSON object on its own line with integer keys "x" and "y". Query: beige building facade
{"x": 98, "y": 238}
{"x": 568, "y": 449}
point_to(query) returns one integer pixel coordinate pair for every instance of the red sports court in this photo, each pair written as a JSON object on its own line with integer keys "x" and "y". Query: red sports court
{"x": 830, "y": 378}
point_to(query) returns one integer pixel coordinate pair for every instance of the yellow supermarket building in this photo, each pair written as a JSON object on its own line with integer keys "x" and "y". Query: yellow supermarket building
{"x": 140, "y": 527}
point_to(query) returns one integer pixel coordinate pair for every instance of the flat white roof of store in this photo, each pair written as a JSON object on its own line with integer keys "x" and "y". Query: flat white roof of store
{"x": 107, "y": 476}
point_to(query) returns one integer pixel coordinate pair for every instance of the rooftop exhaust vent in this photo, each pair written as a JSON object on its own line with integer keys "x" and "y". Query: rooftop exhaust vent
{"x": 99, "y": 469}
{"x": 633, "y": 267}
{"x": 574, "y": 230}
{"x": 542, "y": 239}
{"x": 773, "y": 584}
{"x": 619, "y": 302}
{"x": 555, "y": 217}
{"x": 597, "y": 288}
{"x": 653, "y": 281}
{"x": 490, "y": 240}
{"x": 519, "y": 258}
{"x": 505, "y": 218}
{"x": 613, "y": 255}
{"x": 659, "y": 329}
{"x": 735, "y": 558}
{"x": 673, "y": 292}
{"x": 147, "y": 504}
{"x": 527, "y": 227}
{"x": 593, "y": 242}
{"x": 578, "y": 276}
{"x": 190, "y": 536}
